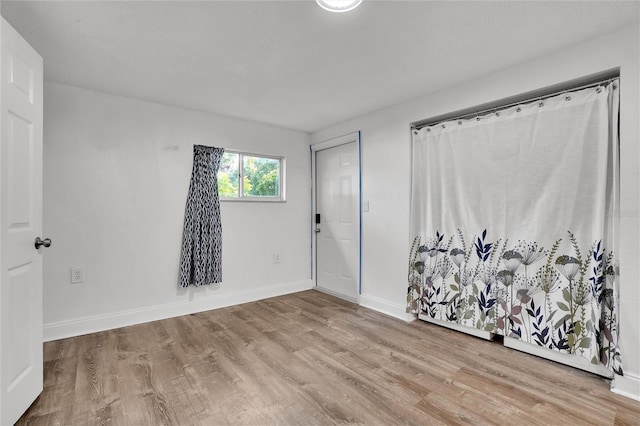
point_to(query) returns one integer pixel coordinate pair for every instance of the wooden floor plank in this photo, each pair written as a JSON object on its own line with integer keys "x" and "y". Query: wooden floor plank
{"x": 309, "y": 359}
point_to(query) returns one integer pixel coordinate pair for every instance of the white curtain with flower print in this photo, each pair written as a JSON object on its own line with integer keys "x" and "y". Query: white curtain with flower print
{"x": 513, "y": 223}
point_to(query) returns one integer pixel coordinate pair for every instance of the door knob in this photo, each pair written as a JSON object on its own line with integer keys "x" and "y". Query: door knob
{"x": 39, "y": 243}
{"x": 317, "y": 230}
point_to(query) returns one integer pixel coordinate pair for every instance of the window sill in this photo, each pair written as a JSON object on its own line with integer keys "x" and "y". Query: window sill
{"x": 252, "y": 200}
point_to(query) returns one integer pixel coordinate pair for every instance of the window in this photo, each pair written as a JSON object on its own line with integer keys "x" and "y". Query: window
{"x": 261, "y": 177}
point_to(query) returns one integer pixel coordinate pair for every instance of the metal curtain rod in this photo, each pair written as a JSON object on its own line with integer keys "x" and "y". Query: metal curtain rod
{"x": 484, "y": 111}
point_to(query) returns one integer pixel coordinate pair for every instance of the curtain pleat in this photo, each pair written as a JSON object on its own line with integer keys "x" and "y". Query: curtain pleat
{"x": 201, "y": 257}
{"x": 513, "y": 223}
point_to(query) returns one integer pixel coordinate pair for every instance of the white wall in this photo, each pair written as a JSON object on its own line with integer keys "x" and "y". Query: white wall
{"x": 116, "y": 175}
{"x": 386, "y": 163}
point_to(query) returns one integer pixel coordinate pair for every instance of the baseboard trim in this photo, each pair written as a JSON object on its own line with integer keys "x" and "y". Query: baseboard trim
{"x": 574, "y": 361}
{"x": 457, "y": 327}
{"x": 386, "y": 307}
{"x": 93, "y": 324}
{"x": 627, "y": 385}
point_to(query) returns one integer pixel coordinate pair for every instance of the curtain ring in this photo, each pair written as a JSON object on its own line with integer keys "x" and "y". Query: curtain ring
{"x": 428, "y": 130}
{"x": 541, "y": 104}
{"x": 477, "y": 118}
{"x": 518, "y": 109}
{"x": 459, "y": 122}
{"x": 599, "y": 89}
{"x": 567, "y": 98}
{"x": 497, "y": 113}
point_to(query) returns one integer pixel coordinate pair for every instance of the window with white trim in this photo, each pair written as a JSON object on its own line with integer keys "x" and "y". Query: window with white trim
{"x": 250, "y": 177}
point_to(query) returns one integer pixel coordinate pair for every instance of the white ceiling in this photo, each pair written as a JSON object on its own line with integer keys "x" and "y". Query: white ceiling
{"x": 290, "y": 63}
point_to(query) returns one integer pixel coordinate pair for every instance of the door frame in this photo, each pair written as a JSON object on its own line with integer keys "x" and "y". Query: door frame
{"x": 319, "y": 146}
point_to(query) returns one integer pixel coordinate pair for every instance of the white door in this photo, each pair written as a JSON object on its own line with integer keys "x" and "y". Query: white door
{"x": 20, "y": 223}
{"x": 337, "y": 172}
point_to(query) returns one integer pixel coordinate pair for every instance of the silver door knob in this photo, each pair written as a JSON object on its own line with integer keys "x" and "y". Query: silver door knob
{"x": 317, "y": 230}
{"x": 39, "y": 243}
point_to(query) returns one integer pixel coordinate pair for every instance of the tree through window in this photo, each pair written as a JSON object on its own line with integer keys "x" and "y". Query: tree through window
{"x": 261, "y": 177}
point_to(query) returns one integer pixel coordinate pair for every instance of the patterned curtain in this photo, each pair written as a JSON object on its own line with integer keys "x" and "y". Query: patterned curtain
{"x": 513, "y": 220}
{"x": 201, "y": 258}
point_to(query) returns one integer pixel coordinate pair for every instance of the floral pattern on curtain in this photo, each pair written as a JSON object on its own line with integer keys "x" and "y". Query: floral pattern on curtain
{"x": 201, "y": 257}
{"x": 514, "y": 225}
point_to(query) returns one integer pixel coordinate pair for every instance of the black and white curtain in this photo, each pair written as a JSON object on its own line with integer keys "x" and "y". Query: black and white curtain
{"x": 201, "y": 258}
{"x": 513, "y": 222}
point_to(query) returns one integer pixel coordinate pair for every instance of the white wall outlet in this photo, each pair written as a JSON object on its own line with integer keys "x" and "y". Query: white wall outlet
{"x": 276, "y": 257}
{"x": 77, "y": 275}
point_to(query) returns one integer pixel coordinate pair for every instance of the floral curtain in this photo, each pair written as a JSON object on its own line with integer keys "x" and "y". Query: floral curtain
{"x": 201, "y": 256}
{"x": 513, "y": 223}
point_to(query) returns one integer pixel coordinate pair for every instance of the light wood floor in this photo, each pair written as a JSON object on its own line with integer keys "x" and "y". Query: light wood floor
{"x": 310, "y": 358}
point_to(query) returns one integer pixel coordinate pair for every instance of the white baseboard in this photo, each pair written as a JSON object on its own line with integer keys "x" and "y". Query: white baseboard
{"x": 627, "y": 385}
{"x": 386, "y": 307}
{"x": 574, "y": 361}
{"x": 457, "y": 327}
{"x": 93, "y": 324}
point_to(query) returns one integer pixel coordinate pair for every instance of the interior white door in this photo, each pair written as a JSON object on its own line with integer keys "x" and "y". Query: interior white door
{"x": 21, "y": 110}
{"x": 338, "y": 233}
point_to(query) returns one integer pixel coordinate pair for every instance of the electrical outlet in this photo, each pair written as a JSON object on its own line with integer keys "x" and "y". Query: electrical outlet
{"x": 77, "y": 275}
{"x": 276, "y": 257}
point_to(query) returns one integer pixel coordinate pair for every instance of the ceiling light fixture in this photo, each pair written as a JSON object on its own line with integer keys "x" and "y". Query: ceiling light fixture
{"x": 338, "y": 5}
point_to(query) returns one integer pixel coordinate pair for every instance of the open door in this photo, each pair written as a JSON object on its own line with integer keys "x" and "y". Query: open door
{"x": 21, "y": 109}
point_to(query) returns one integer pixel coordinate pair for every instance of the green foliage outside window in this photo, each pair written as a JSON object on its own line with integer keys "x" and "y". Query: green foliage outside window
{"x": 260, "y": 175}
{"x": 228, "y": 175}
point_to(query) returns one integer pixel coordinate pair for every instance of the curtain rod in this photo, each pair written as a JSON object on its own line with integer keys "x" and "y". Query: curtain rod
{"x": 483, "y": 111}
